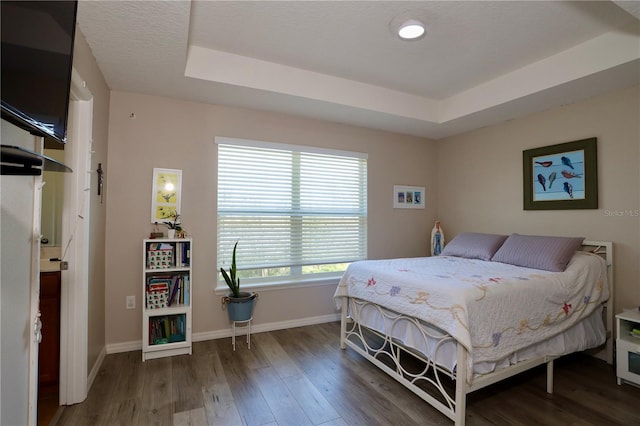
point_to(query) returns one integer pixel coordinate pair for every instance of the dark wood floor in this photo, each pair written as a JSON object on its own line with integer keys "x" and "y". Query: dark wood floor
{"x": 301, "y": 377}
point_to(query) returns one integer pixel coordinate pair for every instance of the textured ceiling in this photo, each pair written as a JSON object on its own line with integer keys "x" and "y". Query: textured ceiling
{"x": 482, "y": 62}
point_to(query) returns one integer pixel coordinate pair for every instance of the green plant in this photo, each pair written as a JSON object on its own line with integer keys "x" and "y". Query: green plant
{"x": 232, "y": 280}
{"x": 175, "y": 222}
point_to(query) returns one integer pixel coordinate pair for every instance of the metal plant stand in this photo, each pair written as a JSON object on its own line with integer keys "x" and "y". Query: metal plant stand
{"x": 246, "y": 325}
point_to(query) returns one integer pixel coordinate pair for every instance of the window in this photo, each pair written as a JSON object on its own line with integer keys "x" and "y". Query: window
{"x": 298, "y": 213}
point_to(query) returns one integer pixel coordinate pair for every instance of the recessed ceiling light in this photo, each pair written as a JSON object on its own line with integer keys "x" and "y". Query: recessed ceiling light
{"x": 411, "y": 29}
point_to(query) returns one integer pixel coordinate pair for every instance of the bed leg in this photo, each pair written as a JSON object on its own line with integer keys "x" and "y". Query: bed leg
{"x": 550, "y": 376}
{"x": 343, "y": 324}
{"x": 461, "y": 386}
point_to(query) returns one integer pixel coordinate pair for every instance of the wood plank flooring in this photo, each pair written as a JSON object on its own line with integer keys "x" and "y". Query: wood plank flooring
{"x": 300, "y": 377}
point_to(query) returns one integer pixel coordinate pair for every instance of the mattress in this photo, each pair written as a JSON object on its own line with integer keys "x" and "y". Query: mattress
{"x": 500, "y": 313}
{"x": 586, "y": 334}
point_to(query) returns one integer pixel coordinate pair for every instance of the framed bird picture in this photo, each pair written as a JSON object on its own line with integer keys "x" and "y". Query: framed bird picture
{"x": 561, "y": 177}
{"x": 165, "y": 194}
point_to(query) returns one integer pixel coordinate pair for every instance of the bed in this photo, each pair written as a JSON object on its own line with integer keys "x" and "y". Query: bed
{"x": 486, "y": 309}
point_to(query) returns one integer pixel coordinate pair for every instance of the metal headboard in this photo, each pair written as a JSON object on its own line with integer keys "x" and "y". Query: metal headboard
{"x": 605, "y": 250}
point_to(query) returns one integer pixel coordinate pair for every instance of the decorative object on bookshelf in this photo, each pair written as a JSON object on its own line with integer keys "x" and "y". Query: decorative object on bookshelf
{"x": 173, "y": 225}
{"x": 156, "y": 233}
{"x": 160, "y": 256}
{"x": 239, "y": 304}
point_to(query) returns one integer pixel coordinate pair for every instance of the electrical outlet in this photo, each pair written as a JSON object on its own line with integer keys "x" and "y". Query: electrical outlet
{"x": 131, "y": 302}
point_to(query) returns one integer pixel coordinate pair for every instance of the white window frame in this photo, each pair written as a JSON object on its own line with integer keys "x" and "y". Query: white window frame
{"x": 292, "y": 280}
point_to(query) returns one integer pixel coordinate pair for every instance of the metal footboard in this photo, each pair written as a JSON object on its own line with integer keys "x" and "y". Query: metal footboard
{"x": 434, "y": 383}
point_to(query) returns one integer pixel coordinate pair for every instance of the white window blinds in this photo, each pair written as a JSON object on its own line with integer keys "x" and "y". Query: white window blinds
{"x": 290, "y": 206}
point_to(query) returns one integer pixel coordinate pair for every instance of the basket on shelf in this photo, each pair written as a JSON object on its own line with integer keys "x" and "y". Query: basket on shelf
{"x": 160, "y": 259}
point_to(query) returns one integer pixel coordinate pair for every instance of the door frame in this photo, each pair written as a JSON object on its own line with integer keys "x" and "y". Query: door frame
{"x": 34, "y": 303}
{"x": 75, "y": 249}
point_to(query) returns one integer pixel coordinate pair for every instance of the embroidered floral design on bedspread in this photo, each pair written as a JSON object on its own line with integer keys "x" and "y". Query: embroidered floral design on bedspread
{"x": 496, "y": 338}
{"x": 549, "y": 320}
{"x": 491, "y": 308}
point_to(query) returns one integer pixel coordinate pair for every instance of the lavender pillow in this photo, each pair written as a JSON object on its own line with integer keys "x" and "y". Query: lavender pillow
{"x": 538, "y": 252}
{"x": 474, "y": 246}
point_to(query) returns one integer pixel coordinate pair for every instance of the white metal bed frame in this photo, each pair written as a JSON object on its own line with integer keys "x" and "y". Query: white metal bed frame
{"x": 451, "y": 404}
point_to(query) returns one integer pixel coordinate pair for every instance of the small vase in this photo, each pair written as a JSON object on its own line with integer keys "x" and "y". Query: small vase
{"x": 171, "y": 233}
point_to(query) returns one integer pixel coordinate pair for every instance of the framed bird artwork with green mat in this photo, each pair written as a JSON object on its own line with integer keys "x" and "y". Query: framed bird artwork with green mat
{"x": 561, "y": 177}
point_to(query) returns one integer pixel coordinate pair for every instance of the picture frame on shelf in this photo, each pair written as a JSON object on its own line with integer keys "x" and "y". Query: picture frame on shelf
{"x": 561, "y": 177}
{"x": 166, "y": 194}
{"x": 408, "y": 197}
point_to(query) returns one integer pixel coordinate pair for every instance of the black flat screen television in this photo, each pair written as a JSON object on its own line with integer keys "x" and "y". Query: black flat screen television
{"x": 37, "y": 58}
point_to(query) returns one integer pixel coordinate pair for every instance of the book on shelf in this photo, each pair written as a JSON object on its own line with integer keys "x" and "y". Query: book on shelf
{"x": 179, "y": 262}
{"x": 186, "y": 254}
{"x": 176, "y": 286}
{"x": 187, "y": 290}
{"x": 169, "y": 289}
{"x": 167, "y": 329}
{"x": 183, "y": 253}
{"x": 174, "y": 289}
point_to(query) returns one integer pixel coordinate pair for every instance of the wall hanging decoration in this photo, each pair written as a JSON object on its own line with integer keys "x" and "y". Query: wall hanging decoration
{"x": 166, "y": 194}
{"x": 408, "y": 197}
{"x": 100, "y": 181}
{"x": 561, "y": 177}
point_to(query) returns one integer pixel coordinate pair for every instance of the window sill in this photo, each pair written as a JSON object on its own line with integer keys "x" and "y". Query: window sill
{"x": 222, "y": 289}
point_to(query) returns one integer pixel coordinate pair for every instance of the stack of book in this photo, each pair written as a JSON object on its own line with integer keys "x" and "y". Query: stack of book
{"x": 167, "y": 288}
{"x": 167, "y": 329}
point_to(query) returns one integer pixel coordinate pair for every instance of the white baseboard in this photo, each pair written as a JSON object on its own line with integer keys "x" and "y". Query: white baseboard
{"x": 96, "y": 368}
{"x": 220, "y": 334}
{"x": 115, "y": 348}
{"x": 271, "y": 326}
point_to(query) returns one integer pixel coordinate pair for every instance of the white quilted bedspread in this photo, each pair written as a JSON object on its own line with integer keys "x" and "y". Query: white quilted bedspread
{"x": 492, "y": 308}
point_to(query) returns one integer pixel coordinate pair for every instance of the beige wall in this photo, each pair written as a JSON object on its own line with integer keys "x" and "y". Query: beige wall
{"x": 473, "y": 183}
{"x": 169, "y": 133}
{"x": 480, "y": 180}
{"x": 85, "y": 64}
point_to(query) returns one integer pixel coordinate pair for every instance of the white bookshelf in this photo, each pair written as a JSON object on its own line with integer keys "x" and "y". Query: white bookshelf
{"x": 166, "y": 315}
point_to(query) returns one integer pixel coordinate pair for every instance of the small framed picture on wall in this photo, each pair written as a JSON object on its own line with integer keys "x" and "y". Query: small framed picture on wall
{"x": 408, "y": 197}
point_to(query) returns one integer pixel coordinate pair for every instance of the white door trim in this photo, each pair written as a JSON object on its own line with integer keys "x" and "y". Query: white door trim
{"x": 35, "y": 335}
{"x": 75, "y": 249}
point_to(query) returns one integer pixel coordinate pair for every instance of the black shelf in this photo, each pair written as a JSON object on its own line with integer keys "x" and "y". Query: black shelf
{"x": 18, "y": 161}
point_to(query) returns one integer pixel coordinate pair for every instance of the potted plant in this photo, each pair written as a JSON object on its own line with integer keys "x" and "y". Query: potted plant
{"x": 173, "y": 225}
{"x": 239, "y": 303}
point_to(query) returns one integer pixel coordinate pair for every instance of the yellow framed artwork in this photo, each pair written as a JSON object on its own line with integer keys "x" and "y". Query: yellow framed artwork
{"x": 166, "y": 194}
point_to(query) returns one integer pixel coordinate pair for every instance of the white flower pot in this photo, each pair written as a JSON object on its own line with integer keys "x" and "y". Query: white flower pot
{"x": 171, "y": 233}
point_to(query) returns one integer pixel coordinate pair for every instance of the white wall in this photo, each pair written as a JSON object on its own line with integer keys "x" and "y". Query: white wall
{"x": 17, "y": 204}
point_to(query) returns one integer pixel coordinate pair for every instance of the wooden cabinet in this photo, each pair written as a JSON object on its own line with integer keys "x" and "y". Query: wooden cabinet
{"x": 49, "y": 351}
{"x": 166, "y": 297}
